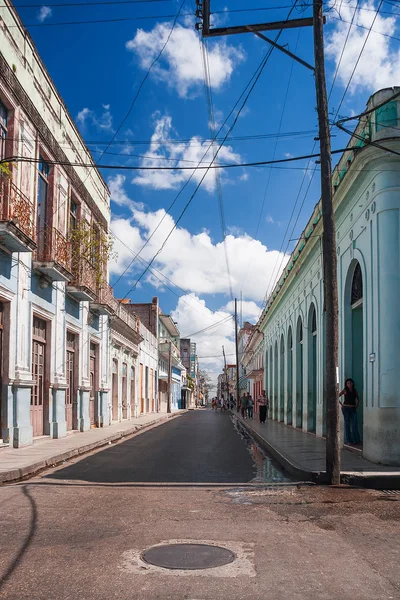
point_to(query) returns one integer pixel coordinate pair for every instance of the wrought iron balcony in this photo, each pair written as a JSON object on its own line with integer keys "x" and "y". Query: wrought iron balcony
{"x": 105, "y": 303}
{"x": 128, "y": 317}
{"x": 53, "y": 256}
{"x": 17, "y": 230}
{"x": 126, "y": 323}
{"x": 84, "y": 281}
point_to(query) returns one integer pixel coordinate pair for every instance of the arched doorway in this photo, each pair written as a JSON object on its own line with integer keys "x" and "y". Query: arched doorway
{"x": 289, "y": 407}
{"x": 299, "y": 374}
{"x": 271, "y": 382}
{"x": 276, "y": 397}
{"x": 281, "y": 381}
{"x": 312, "y": 370}
{"x": 356, "y": 360}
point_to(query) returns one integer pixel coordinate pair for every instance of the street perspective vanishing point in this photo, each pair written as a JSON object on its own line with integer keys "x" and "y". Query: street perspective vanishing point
{"x": 199, "y": 315}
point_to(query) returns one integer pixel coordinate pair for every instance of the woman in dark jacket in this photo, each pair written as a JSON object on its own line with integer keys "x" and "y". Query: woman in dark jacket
{"x": 349, "y": 409}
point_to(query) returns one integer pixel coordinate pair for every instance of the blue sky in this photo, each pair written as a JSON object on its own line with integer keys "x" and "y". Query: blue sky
{"x": 98, "y": 68}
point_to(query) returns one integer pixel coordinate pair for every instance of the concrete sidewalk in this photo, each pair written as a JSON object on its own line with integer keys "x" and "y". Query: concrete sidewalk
{"x": 302, "y": 455}
{"x": 16, "y": 463}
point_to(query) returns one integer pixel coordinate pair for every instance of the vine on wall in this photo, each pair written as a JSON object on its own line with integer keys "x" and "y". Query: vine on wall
{"x": 95, "y": 247}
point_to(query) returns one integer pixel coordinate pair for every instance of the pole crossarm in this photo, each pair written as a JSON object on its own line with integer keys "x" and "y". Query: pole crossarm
{"x": 281, "y": 48}
{"x": 216, "y": 31}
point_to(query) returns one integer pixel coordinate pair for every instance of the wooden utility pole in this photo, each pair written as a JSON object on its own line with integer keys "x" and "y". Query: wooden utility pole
{"x": 169, "y": 385}
{"x": 329, "y": 256}
{"x": 226, "y": 373}
{"x": 237, "y": 355}
{"x": 329, "y": 244}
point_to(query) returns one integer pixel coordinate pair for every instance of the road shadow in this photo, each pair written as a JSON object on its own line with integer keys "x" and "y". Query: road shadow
{"x": 17, "y": 560}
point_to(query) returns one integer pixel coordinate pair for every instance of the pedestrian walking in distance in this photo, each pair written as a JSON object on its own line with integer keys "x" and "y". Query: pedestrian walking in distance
{"x": 349, "y": 409}
{"x": 243, "y": 406}
{"x": 263, "y": 404}
{"x": 250, "y": 406}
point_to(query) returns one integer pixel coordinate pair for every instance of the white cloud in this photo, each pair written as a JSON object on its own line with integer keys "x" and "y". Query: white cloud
{"x": 44, "y": 13}
{"x": 379, "y": 65}
{"x": 162, "y": 147}
{"x": 269, "y": 219}
{"x": 249, "y": 310}
{"x": 288, "y": 155}
{"x": 193, "y": 261}
{"x": 86, "y": 116}
{"x": 181, "y": 64}
{"x": 244, "y": 177}
{"x": 192, "y": 314}
{"x": 118, "y": 194}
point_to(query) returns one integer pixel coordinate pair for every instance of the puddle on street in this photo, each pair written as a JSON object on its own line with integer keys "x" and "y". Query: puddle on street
{"x": 266, "y": 468}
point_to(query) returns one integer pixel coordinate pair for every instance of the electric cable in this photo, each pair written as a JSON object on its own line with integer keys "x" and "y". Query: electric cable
{"x": 211, "y": 120}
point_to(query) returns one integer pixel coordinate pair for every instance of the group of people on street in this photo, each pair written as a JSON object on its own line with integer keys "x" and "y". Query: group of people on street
{"x": 246, "y": 406}
{"x": 222, "y": 404}
{"x": 349, "y": 405}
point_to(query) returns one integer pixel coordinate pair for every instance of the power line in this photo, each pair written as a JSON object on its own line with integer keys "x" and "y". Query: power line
{"x": 217, "y": 324}
{"x": 337, "y": 111}
{"x": 168, "y": 17}
{"x": 211, "y": 119}
{"x": 154, "y": 272}
{"x": 255, "y": 77}
{"x": 183, "y": 141}
{"x": 275, "y": 277}
{"x": 87, "y": 4}
{"x": 259, "y": 163}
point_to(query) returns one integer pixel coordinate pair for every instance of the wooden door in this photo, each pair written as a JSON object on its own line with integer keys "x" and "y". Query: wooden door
{"x": 124, "y": 391}
{"x": 70, "y": 376}
{"x": 93, "y": 381}
{"x": 38, "y": 376}
{"x": 141, "y": 389}
{"x": 1, "y": 362}
{"x": 152, "y": 389}
{"x": 133, "y": 392}
{"x": 115, "y": 390}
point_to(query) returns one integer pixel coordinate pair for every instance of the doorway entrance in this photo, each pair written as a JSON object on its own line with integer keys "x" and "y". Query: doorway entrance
{"x": 70, "y": 372}
{"x": 133, "y": 392}
{"x": 114, "y": 390}
{"x": 1, "y": 365}
{"x": 312, "y": 371}
{"x": 93, "y": 382}
{"x": 124, "y": 391}
{"x": 38, "y": 375}
{"x": 357, "y": 342}
{"x": 299, "y": 374}
{"x": 289, "y": 408}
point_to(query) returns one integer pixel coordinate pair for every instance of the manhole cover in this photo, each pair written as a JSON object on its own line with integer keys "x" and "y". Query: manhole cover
{"x": 188, "y": 556}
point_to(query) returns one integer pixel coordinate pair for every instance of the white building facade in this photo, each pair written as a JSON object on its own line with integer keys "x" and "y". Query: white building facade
{"x": 55, "y": 301}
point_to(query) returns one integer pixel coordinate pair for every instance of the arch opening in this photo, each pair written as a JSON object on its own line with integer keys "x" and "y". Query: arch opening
{"x": 299, "y": 374}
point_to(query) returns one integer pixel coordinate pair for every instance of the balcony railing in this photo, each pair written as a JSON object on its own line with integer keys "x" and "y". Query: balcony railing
{"x": 16, "y": 217}
{"x": 105, "y": 303}
{"x": 83, "y": 285}
{"x": 54, "y": 254}
{"x": 128, "y": 318}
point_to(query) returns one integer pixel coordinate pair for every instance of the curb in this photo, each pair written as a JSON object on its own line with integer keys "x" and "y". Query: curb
{"x": 296, "y": 472}
{"x": 377, "y": 480}
{"x": 15, "y": 475}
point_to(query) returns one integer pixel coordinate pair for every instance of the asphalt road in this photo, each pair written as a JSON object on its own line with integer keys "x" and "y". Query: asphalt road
{"x": 77, "y": 531}
{"x": 199, "y": 447}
